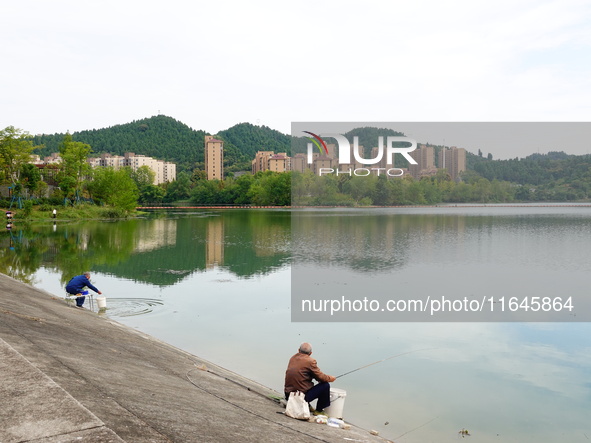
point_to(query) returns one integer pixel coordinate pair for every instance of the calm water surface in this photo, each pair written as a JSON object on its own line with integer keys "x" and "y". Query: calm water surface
{"x": 217, "y": 284}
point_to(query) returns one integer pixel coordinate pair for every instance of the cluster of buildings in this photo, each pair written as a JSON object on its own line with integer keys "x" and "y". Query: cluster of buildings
{"x": 452, "y": 159}
{"x": 164, "y": 171}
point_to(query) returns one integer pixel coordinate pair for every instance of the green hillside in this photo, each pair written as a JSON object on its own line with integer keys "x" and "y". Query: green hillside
{"x": 245, "y": 139}
{"x": 555, "y": 175}
{"x": 168, "y": 139}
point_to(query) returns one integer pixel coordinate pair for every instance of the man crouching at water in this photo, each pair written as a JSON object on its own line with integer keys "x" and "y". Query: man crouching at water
{"x": 301, "y": 370}
{"x": 77, "y": 284}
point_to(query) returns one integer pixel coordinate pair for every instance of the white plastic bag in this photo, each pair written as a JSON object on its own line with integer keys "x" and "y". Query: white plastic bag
{"x": 297, "y": 406}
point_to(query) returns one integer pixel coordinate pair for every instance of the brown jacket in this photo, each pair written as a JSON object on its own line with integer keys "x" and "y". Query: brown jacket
{"x": 301, "y": 370}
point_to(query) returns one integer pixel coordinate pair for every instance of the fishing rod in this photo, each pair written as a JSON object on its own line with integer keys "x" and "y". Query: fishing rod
{"x": 380, "y": 361}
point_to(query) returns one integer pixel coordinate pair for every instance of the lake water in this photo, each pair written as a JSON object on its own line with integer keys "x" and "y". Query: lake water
{"x": 218, "y": 284}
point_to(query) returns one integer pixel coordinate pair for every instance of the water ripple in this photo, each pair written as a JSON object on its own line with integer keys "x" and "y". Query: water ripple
{"x": 129, "y": 307}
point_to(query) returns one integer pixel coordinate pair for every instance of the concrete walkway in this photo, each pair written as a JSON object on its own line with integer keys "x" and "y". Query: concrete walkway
{"x": 71, "y": 375}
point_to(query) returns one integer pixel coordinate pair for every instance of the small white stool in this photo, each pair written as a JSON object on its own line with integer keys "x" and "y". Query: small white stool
{"x": 72, "y": 298}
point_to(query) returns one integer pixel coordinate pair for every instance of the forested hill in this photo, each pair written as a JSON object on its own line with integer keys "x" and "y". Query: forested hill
{"x": 168, "y": 139}
{"x": 247, "y": 139}
{"x": 538, "y": 169}
{"x": 160, "y": 137}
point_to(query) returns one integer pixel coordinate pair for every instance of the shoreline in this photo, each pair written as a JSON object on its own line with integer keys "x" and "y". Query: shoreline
{"x": 74, "y": 375}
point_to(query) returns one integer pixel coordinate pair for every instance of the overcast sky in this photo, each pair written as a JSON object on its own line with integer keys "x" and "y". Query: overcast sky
{"x": 76, "y": 65}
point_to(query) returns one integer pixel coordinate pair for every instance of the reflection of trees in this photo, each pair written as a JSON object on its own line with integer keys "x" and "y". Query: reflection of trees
{"x": 70, "y": 250}
{"x": 360, "y": 241}
{"x": 159, "y": 251}
{"x": 237, "y": 241}
{"x": 17, "y": 260}
{"x": 374, "y": 240}
{"x": 166, "y": 249}
{"x": 367, "y": 240}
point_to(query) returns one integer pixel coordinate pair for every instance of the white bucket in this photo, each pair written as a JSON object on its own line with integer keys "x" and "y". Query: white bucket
{"x": 337, "y": 403}
{"x": 102, "y": 302}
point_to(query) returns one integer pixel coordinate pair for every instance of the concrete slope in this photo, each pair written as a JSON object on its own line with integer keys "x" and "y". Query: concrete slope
{"x": 72, "y": 375}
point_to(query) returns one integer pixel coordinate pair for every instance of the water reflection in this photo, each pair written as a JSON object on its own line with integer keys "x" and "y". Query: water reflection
{"x": 161, "y": 250}
{"x": 186, "y": 279}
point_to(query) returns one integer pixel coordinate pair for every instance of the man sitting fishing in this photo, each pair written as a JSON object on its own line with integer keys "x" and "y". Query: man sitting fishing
{"x": 77, "y": 284}
{"x": 301, "y": 370}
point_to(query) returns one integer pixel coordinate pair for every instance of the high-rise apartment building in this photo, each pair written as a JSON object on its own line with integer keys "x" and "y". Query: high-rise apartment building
{"x": 454, "y": 160}
{"x": 425, "y": 158}
{"x": 214, "y": 158}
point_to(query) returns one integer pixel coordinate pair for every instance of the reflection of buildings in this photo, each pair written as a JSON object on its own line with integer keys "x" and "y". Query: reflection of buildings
{"x": 268, "y": 240}
{"x": 214, "y": 243}
{"x": 155, "y": 234}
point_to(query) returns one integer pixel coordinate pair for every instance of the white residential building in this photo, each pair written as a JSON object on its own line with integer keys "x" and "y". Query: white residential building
{"x": 164, "y": 171}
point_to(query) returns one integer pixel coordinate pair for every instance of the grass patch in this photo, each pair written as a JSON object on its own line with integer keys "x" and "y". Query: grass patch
{"x": 78, "y": 212}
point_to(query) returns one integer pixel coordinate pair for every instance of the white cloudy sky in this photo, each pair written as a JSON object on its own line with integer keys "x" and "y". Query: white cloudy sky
{"x": 75, "y": 65}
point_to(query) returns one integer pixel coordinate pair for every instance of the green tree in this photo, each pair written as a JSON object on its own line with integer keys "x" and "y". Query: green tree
{"x": 242, "y": 188}
{"x": 180, "y": 189}
{"x": 206, "y": 192}
{"x": 114, "y": 188}
{"x": 74, "y": 167}
{"x": 198, "y": 174}
{"x": 382, "y": 191}
{"x": 15, "y": 151}
{"x": 152, "y": 194}
{"x": 30, "y": 177}
{"x": 143, "y": 176}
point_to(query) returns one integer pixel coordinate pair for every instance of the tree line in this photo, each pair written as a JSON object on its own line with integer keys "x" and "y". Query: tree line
{"x": 550, "y": 177}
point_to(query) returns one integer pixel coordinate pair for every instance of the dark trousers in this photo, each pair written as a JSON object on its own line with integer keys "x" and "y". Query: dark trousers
{"x": 79, "y": 300}
{"x": 321, "y": 391}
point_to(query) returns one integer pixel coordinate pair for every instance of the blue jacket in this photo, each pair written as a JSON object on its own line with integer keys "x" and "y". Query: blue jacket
{"x": 75, "y": 285}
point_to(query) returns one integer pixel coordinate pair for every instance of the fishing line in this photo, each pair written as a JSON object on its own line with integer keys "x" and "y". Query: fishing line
{"x": 243, "y": 408}
{"x": 418, "y": 427}
{"x": 380, "y": 361}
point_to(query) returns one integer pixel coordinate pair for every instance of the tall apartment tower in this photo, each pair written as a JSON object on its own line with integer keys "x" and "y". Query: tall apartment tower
{"x": 214, "y": 158}
{"x": 425, "y": 158}
{"x": 454, "y": 160}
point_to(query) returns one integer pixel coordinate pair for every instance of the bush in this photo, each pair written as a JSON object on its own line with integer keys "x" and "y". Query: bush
{"x": 113, "y": 213}
{"x": 27, "y": 208}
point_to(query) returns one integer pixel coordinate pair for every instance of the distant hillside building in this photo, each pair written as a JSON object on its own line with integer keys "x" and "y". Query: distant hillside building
{"x": 269, "y": 161}
{"x": 280, "y": 163}
{"x": 214, "y": 158}
{"x": 299, "y": 163}
{"x": 425, "y": 158}
{"x": 323, "y": 162}
{"x": 454, "y": 160}
{"x": 164, "y": 171}
{"x": 261, "y": 161}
